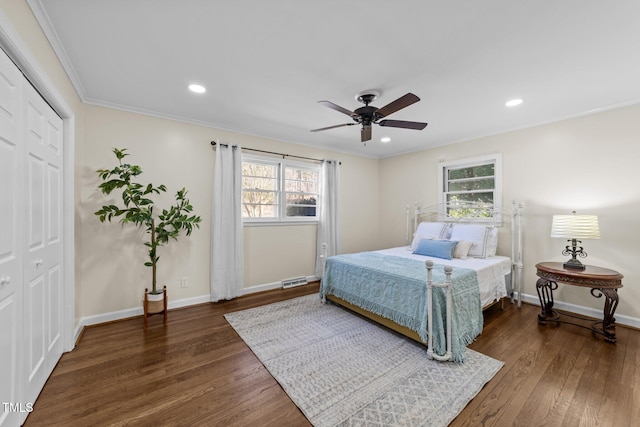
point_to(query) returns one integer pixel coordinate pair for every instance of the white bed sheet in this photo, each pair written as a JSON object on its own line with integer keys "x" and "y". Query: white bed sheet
{"x": 491, "y": 271}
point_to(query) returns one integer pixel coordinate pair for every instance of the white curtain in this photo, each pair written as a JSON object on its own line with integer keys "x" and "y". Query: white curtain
{"x": 226, "y": 224}
{"x": 328, "y": 230}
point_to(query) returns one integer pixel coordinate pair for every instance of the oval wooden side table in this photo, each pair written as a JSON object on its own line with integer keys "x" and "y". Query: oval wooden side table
{"x": 602, "y": 281}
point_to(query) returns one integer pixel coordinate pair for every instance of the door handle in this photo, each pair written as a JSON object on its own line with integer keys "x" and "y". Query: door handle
{"x": 5, "y": 280}
{"x": 38, "y": 263}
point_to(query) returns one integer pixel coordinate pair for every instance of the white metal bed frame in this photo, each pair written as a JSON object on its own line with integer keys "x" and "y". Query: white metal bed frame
{"x": 468, "y": 213}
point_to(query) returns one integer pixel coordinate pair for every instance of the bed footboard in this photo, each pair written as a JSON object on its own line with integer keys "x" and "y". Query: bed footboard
{"x": 448, "y": 355}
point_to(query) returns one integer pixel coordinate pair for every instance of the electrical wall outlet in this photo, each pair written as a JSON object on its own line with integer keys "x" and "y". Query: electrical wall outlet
{"x": 184, "y": 282}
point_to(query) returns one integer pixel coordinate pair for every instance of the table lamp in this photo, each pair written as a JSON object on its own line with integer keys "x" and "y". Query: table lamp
{"x": 575, "y": 227}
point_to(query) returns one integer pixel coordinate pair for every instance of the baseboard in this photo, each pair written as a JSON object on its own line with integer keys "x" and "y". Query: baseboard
{"x": 633, "y": 322}
{"x": 137, "y": 311}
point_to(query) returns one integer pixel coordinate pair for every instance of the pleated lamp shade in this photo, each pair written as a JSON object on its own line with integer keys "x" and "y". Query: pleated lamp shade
{"x": 575, "y": 226}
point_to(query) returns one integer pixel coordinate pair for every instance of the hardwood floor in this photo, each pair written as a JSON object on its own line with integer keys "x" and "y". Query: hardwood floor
{"x": 197, "y": 371}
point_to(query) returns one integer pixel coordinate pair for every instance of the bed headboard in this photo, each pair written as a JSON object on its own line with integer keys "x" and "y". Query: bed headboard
{"x": 476, "y": 213}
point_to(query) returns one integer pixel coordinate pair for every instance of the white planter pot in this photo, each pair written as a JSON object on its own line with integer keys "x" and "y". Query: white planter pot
{"x": 155, "y": 302}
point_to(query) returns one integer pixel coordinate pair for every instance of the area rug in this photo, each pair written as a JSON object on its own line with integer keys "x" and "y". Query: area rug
{"x": 343, "y": 370}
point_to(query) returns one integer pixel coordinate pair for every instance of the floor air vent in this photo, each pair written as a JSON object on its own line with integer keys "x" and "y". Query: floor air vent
{"x": 290, "y": 283}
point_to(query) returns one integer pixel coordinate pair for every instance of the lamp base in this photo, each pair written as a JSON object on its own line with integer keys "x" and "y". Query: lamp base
{"x": 574, "y": 264}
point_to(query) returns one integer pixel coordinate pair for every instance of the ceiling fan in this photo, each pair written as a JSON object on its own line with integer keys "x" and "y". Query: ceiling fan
{"x": 368, "y": 115}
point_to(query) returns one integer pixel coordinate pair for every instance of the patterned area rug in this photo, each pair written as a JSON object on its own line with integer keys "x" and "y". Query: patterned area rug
{"x": 342, "y": 370}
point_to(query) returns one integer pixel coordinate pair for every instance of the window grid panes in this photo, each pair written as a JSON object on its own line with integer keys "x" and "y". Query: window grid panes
{"x": 471, "y": 182}
{"x": 301, "y": 192}
{"x": 260, "y": 190}
{"x": 279, "y": 190}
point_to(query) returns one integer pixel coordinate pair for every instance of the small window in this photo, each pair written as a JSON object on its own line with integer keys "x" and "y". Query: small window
{"x": 301, "y": 191}
{"x": 476, "y": 180}
{"x": 279, "y": 190}
{"x": 260, "y": 189}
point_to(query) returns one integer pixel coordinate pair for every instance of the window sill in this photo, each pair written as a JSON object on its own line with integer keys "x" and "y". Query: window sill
{"x": 278, "y": 223}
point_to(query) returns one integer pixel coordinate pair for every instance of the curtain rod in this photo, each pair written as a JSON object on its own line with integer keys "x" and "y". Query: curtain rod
{"x": 274, "y": 153}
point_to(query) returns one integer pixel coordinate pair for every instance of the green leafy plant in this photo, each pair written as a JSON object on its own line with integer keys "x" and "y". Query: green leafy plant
{"x": 138, "y": 208}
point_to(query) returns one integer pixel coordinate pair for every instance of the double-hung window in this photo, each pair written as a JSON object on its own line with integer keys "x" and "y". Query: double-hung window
{"x": 275, "y": 190}
{"x": 474, "y": 180}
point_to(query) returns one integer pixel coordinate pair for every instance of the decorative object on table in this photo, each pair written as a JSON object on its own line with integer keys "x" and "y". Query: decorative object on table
{"x": 341, "y": 369}
{"x": 138, "y": 209}
{"x": 574, "y": 228}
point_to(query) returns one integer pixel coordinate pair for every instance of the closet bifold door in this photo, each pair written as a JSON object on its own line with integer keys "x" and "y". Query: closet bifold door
{"x": 30, "y": 243}
{"x": 42, "y": 327}
{"x": 11, "y": 238}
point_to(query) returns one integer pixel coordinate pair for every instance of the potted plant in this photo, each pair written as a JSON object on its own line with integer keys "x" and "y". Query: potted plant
{"x": 139, "y": 208}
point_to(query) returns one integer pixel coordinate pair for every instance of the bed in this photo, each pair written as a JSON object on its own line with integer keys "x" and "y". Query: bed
{"x": 434, "y": 289}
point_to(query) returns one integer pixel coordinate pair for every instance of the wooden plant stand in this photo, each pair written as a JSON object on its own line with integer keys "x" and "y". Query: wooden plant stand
{"x": 155, "y": 307}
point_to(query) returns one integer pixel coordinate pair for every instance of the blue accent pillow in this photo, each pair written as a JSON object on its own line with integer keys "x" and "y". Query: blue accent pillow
{"x": 436, "y": 248}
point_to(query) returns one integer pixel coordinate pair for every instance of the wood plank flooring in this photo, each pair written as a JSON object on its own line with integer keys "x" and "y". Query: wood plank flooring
{"x": 198, "y": 372}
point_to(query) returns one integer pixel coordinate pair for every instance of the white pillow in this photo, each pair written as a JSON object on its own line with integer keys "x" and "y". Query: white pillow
{"x": 462, "y": 249}
{"x": 430, "y": 230}
{"x": 479, "y": 235}
{"x": 492, "y": 243}
{"x": 438, "y": 230}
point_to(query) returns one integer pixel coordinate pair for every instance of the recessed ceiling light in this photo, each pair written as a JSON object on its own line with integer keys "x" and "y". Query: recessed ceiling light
{"x": 197, "y": 88}
{"x": 385, "y": 139}
{"x": 513, "y": 102}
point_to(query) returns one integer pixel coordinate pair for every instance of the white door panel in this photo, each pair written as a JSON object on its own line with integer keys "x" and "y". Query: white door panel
{"x": 33, "y": 333}
{"x": 10, "y": 253}
{"x": 35, "y": 204}
{"x": 11, "y": 99}
{"x": 11, "y": 95}
{"x": 53, "y": 233}
{"x": 34, "y": 374}
{"x": 53, "y": 336}
{"x": 44, "y": 253}
{"x": 54, "y": 214}
{"x": 9, "y": 389}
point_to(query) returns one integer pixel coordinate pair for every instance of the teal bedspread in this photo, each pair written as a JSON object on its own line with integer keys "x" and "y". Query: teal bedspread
{"x": 395, "y": 288}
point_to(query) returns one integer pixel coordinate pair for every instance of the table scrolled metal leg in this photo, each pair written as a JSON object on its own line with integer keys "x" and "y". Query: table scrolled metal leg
{"x": 610, "y": 306}
{"x": 545, "y": 290}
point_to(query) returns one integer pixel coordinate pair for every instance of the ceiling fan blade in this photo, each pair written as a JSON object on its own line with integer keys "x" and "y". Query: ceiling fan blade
{"x": 332, "y": 127}
{"x": 337, "y": 108}
{"x": 398, "y": 104}
{"x": 403, "y": 124}
{"x": 365, "y": 134}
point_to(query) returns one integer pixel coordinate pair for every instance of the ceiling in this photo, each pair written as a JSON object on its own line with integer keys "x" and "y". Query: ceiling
{"x": 265, "y": 64}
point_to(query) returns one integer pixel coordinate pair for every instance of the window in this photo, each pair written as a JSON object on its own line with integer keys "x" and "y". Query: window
{"x": 476, "y": 180}
{"x": 260, "y": 189}
{"x": 279, "y": 190}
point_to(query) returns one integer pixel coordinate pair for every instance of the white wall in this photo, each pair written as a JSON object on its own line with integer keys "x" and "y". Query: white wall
{"x": 588, "y": 164}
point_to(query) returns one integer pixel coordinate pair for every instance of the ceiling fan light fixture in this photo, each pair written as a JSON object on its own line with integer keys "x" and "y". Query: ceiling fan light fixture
{"x": 369, "y": 115}
{"x": 197, "y": 88}
{"x": 514, "y": 102}
{"x": 367, "y": 96}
